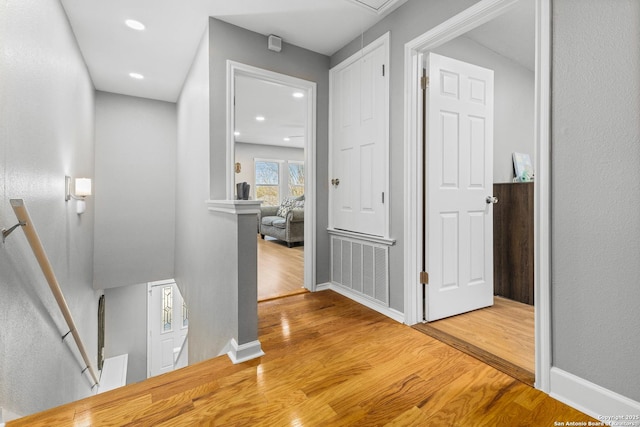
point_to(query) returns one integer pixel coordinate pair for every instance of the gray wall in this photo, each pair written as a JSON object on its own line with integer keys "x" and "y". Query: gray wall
{"x": 406, "y": 23}
{"x": 514, "y": 102}
{"x": 46, "y": 132}
{"x": 237, "y": 44}
{"x": 126, "y": 327}
{"x": 135, "y": 166}
{"x": 246, "y": 153}
{"x": 596, "y": 191}
{"x": 206, "y": 267}
{"x": 199, "y": 272}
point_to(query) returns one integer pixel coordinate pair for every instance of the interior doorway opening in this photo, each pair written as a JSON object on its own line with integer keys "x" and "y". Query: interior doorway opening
{"x": 415, "y": 53}
{"x": 271, "y": 149}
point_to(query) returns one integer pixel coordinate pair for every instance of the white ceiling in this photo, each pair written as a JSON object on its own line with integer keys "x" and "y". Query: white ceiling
{"x": 163, "y": 52}
{"x": 284, "y": 115}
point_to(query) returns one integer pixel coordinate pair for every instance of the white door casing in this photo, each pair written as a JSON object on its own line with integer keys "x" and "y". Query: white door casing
{"x": 459, "y": 255}
{"x": 359, "y": 123}
{"x": 309, "y": 88}
{"x": 167, "y": 333}
{"x": 414, "y": 51}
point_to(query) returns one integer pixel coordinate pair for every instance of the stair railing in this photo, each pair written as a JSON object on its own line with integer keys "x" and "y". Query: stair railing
{"x": 38, "y": 250}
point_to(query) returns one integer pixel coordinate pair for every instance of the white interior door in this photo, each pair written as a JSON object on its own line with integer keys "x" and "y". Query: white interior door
{"x": 459, "y": 181}
{"x": 168, "y": 323}
{"x": 359, "y": 140}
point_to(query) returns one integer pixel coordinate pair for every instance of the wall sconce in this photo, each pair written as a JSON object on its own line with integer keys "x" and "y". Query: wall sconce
{"x": 83, "y": 189}
{"x": 238, "y": 167}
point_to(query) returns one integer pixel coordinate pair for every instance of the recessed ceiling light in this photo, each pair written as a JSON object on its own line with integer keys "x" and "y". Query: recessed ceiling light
{"x": 260, "y": 118}
{"x": 136, "y": 25}
{"x": 136, "y": 76}
{"x": 286, "y": 139}
{"x": 236, "y": 133}
{"x": 298, "y": 95}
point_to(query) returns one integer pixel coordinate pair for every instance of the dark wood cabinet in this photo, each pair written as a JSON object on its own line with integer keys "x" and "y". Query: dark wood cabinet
{"x": 513, "y": 241}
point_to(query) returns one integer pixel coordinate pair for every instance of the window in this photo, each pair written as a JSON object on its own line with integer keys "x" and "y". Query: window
{"x": 276, "y": 179}
{"x": 296, "y": 178}
{"x": 185, "y": 314}
{"x": 268, "y": 182}
{"x": 167, "y": 308}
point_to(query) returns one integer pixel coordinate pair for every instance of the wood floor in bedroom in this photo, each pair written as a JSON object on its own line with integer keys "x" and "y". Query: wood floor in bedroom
{"x": 501, "y": 336}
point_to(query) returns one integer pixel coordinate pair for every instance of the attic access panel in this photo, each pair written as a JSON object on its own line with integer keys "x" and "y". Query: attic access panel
{"x": 377, "y": 6}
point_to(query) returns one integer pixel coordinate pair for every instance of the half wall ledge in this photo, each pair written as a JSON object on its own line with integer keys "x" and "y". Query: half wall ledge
{"x": 237, "y": 207}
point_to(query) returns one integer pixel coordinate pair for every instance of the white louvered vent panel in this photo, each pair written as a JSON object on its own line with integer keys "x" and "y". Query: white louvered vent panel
{"x": 356, "y": 257}
{"x": 382, "y": 288}
{"x": 346, "y": 263}
{"x": 362, "y": 267}
{"x": 367, "y": 270}
{"x": 336, "y": 261}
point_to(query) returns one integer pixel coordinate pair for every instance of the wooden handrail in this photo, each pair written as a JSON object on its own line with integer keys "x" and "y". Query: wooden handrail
{"x": 38, "y": 250}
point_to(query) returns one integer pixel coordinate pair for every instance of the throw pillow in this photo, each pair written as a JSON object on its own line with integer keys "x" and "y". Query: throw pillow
{"x": 287, "y": 204}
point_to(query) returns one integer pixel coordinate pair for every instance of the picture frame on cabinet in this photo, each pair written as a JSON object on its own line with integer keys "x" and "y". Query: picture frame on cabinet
{"x": 522, "y": 167}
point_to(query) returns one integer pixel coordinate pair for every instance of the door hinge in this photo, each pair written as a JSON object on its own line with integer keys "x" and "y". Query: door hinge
{"x": 424, "y": 278}
{"x": 424, "y": 82}
{"x": 383, "y": 197}
{"x": 382, "y": 70}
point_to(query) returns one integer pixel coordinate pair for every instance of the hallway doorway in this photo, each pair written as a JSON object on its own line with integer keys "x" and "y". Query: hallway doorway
{"x": 271, "y": 145}
{"x": 416, "y": 51}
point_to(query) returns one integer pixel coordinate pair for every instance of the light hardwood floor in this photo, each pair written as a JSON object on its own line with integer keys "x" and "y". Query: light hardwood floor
{"x": 501, "y": 335}
{"x": 280, "y": 269}
{"x": 329, "y": 362}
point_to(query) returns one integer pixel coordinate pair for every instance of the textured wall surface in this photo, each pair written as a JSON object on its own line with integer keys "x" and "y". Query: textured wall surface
{"x": 135, "y": 166}
{"x": 201, "y": 275}
{"x": 46, "y": 132}
{"x": 596, "y": 191}
{"x": 406, "y": 23}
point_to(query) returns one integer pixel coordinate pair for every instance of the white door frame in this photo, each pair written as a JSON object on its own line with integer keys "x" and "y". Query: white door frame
{"x": 467, "y": 20}
{"x": 309, "y": 88}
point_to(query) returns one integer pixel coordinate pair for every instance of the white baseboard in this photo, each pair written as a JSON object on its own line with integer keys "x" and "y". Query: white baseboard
{"x": 600, "y": 403}
{"x": 374, "y": 305}
{"x": 243, "y": 352}
{"x": 323, "y": 286}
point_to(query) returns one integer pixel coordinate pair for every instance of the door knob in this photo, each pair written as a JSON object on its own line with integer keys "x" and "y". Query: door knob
{"x": 491, "y": 200}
